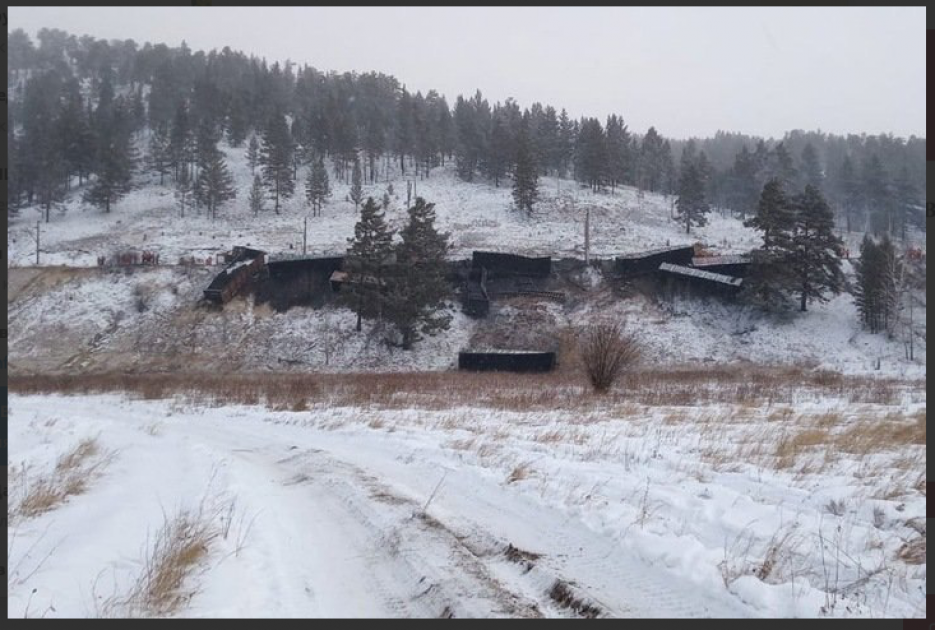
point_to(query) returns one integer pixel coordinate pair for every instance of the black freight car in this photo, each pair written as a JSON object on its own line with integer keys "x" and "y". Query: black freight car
{"x": 646, "y": 262}
{"x": 506, "y": 361}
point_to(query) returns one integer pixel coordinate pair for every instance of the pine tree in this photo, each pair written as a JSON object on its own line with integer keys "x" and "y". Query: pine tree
{"x": 850, "y": 193}
{"x": 691, "y": 204}
{"x": 774, "y": 214}
{"x": 115, "y": 165}
{"x": 317, "y": 186}
{"x": 812, "y": 173}
{"x": 253, "y": 154}
{"x": 276, "y": 158}
{"x": 814, "y": 258}
{"x": 526, "y": 173}
{"x": 214, "y": 185}
{"x": 652, "y": 160}
{"x": 367, "y": 260}
{"x": 160, "y": 158}
{"x": 357, "y": 188}
{"x": 867, "y": 289}
{"x": 257, "y": 196}
{"x": 183, "y": 191}
{"x": 417, "y": 285}
{"x": 876, "y": 195}
{"x": 181, "y": 140}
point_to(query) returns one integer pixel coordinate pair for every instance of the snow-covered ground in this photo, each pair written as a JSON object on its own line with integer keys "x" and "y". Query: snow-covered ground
{"x": 346, "y": 511}
{"x": 478, "y": 215}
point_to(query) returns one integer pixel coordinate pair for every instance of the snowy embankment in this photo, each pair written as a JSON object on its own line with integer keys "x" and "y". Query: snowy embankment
{"x": 812, "y": 509}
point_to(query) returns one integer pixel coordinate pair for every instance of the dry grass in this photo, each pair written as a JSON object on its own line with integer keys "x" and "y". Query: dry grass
{"x": 176, "y": 551}
{"x": 563, "y": 390}
{"x": 34, "y": 495}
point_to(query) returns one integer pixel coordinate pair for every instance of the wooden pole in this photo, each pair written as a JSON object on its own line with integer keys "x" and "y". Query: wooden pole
{"x": 38, "y": 224}
{"x": 305, "y": 237}
{"x": 587, "y": 236}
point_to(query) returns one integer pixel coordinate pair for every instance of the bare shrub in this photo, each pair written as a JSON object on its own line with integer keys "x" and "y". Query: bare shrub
{"x": 606, "y": 352}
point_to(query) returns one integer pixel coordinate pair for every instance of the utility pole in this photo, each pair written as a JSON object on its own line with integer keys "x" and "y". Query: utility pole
{"x": 305, "y": 237}
{"x": 38, "y": 223}
{"x": 587, "y": 236}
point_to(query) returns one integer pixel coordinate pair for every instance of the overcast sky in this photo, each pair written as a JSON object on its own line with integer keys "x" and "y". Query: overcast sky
{"x": 689, "y": 72}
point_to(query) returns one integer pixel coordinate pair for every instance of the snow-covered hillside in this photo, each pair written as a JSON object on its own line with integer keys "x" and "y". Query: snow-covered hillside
{"x": 478, "y": 215}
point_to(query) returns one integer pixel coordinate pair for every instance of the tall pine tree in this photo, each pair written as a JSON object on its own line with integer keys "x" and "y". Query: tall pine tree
{"x": 526, "y": 173}
{"x": 417, "y": 285}
{"x": 276, "y": 158}
{"x": 368, "y": 258}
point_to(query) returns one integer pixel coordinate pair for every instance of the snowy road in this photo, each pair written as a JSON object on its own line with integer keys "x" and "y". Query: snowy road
{"x": 332, "y": 527}
{"x": 348, "y": 524}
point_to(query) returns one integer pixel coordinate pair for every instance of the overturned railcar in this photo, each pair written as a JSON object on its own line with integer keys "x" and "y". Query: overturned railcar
{"x": 245, "y": 264}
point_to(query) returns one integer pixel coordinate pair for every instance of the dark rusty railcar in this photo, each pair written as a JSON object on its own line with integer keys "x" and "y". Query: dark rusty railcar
{"x": 246, "y": 264}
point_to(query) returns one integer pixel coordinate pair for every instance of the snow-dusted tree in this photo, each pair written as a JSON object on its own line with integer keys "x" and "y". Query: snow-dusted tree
{"x": 416, "y": 284}
{"x": 814, "y": 256}
{"x": 276, "y": 158}
{"x": 811, "y": 171}
{"x": 357, "y": 188}
{"x": 691, "y": 204}
{"x": 214, "y": 185}
{"x": 183, "y": 191}
{"x": 257, "y": 196}
{"x": 368, "y": 256}
{"x": 159, "y": 158}
{"x": 526, "y": 172}
{"x": 317, "y": 186}
{"x": 253, "y": 153}
{"x": 774, "y": 213}
{"x": 115, "y": 163}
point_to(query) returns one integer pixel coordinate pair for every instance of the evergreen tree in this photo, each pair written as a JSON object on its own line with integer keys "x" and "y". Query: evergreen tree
{"x": 253, "y": 154}
{"x": 357, "y": 188}
{"x": 566, "y": 143}
{"x": 774, "y": 214}
{"x": 868, "y": 289}
{"x": 317, "y": 187}
{"x": 184, "y": 191}
{"x": 367, "y": 261}
{"x": 257, "y": 196}
{"x": 691, "y": 204}
{"x": 782, "y": 167}
{"x": 876, "y": 195}
{"x": 618, "y": 145}
{"x": 652, "y": 161}
{"x": 276, "y": 158}
{"x": 906, "y": 201}
{"x": 850, "y": 193}
{"x": 115, "y": 163}
{"x": 526, "y": 173}
{"x": 160, "y": 158}
{"x": 814, "y": 258}
{"x": 591, "y": 154}
{"x": 417, "y": 285}
{"x": 812, "y": 174}
{"x": 181, "y": 140}
{"x": 214, "y": 185}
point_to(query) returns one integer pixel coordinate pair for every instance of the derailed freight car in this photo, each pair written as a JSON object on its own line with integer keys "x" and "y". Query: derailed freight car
{"x": 245, "y": 264}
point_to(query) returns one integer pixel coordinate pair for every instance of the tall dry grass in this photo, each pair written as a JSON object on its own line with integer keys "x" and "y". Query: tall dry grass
{"x": 689, "y": 386}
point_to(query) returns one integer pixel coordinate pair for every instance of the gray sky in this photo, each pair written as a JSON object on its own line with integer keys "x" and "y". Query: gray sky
{"x": 687, "y": 71}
